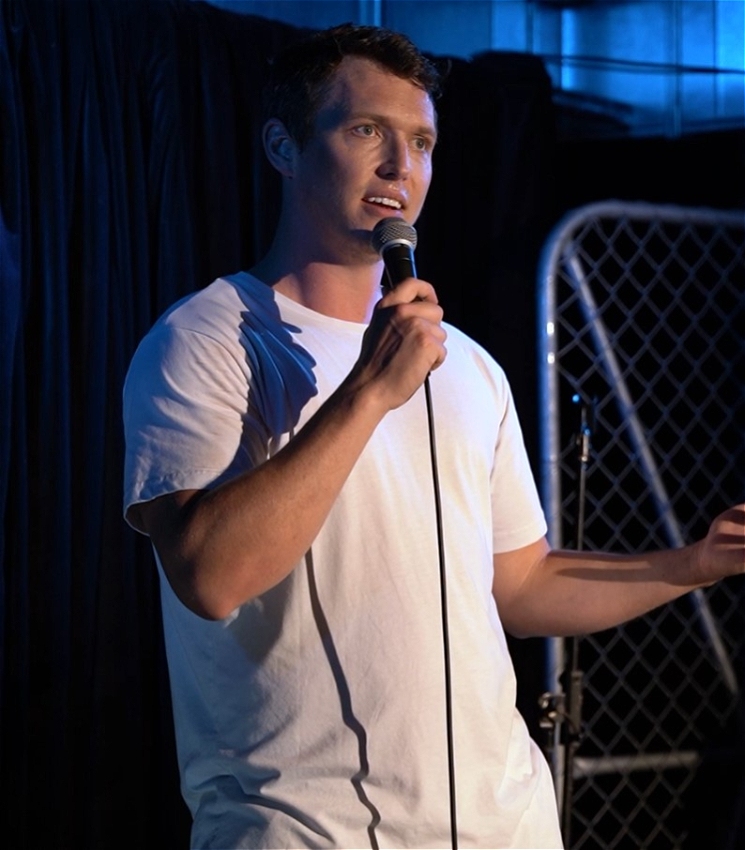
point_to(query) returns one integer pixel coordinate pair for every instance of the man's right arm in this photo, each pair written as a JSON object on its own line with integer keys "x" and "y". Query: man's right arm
{"x": 219, "y": 548}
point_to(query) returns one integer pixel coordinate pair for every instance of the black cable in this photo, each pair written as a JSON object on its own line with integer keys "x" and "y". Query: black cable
{"x": 445, "y": 624}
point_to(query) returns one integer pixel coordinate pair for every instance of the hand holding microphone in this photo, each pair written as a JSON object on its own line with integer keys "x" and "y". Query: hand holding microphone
{"x": 405, "y": 340}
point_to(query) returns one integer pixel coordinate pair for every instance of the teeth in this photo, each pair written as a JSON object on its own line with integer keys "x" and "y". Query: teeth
{"x": 386, "y": 202}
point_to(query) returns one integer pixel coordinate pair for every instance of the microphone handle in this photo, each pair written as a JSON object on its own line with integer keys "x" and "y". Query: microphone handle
{"x": 399, "y": 263}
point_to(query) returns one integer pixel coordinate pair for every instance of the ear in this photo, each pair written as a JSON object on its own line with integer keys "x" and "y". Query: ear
{"x": 279, "y": 146}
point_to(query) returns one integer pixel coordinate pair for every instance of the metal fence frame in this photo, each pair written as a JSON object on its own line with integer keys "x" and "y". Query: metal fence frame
{"x": 596, "y": 262}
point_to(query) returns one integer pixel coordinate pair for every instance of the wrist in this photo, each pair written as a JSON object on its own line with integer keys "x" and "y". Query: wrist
{"x": 699, "y": 572}
{"x": 362, "y": 396}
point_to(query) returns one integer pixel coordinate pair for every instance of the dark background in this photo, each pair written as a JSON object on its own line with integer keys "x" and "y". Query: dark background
{"x": 131, "y": 174}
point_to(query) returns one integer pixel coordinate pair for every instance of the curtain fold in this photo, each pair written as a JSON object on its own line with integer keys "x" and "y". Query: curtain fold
{"x": 131, "y": 174}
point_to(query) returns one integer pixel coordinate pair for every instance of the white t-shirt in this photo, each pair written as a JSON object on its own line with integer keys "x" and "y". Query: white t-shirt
{"x": 314, "y": 716}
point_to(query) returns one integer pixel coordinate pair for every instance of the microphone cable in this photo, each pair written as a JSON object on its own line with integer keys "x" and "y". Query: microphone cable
{"x": 444, "y": 617}
{"x": 395, "y": 241}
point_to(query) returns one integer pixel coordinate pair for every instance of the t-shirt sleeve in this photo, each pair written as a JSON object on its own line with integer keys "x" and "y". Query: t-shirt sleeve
{"x": 517, "y": 516}
{"x": 187, "y": 420}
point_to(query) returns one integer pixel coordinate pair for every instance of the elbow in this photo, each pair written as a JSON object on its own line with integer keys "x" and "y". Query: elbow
{"x": 213, "y": 584}
{"x": 208, "y": 606}
{"x": 210, "y": 598}
{"x": 214, "y": 592}
{"x": 519, "y": 622}
{"x": 200, "y": 593}
{"x": 212, "y": 609}
{"x": 520, "y": 630}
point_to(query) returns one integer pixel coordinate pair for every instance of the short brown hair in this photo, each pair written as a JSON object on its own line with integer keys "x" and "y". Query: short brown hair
{"x": 300, "y": 74}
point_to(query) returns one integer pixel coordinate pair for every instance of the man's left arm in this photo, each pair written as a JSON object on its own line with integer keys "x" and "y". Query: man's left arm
{"x": 544, "y": 592}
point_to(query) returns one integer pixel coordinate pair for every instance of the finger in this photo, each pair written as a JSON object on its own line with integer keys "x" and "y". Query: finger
{"x": 411, "y": 289}
{"x": 414, "y": 312}
{"x": 429, "y": 338}
{"x": 732, "y": 519}
{"x": 441, "y": 358}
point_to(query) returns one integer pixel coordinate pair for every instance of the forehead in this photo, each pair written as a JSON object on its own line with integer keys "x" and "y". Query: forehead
{"x": 361, "y": 87}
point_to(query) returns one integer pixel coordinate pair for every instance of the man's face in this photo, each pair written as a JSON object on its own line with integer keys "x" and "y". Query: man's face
{"x": 370, "y": 157}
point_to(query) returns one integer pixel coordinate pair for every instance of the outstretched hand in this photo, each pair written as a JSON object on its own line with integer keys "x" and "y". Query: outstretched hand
{"x": 722, "y": 552}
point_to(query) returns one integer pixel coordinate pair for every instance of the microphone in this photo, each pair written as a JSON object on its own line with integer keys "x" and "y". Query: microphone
{"x": 395, "y": 241}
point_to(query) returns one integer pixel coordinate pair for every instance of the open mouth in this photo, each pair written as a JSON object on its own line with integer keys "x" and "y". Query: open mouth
{"x": 388, "y": 203}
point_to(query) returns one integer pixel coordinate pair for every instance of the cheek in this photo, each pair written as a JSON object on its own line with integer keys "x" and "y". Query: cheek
{"x": 324, "y": 180}
{"x": 426, "y": 180}
{"x": 341, "y": 172}
{"x": 427, "y": 170}
{"x": 423, "y": 183}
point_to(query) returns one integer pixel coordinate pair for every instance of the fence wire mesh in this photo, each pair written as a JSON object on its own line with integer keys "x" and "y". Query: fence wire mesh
{"x": 643, "y": 325}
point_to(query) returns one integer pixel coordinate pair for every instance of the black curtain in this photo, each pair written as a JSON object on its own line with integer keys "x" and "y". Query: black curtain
{"x": 130, "y": 174}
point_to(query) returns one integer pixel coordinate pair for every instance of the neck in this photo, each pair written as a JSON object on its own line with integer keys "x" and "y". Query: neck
{"x": 343, "y": 290}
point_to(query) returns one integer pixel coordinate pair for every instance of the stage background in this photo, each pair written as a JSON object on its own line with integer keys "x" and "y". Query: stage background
{"x": 131, "y": 174}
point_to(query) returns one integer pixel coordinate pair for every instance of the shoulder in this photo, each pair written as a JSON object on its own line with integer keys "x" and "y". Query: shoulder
{"x": 199, "y": 333}
{"x": 219, "y": 307}
{"x": 467, "y": 354}
{"x": 221, "y": 316}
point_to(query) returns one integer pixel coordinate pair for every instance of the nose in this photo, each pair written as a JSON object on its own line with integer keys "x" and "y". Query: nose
{"x": 396, "y": 164}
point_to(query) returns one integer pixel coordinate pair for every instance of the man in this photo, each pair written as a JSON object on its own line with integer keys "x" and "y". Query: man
{"x": 277, "y": 456}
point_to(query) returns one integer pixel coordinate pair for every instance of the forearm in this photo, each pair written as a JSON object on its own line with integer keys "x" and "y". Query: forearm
{"x": 232, "y": 543}
{"x": 540, "y": 592}
{"x": 571, "y": 593}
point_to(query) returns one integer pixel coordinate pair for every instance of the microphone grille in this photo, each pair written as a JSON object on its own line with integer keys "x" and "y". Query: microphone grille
{"x": 389, "y": 230}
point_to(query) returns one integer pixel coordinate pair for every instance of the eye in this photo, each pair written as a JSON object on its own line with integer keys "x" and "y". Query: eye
{"x": 365, "y": 130}
{"x": 423, "y": 144}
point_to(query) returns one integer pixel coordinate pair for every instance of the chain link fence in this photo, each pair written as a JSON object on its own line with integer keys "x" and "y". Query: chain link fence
{"x": 643, "y": 351}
